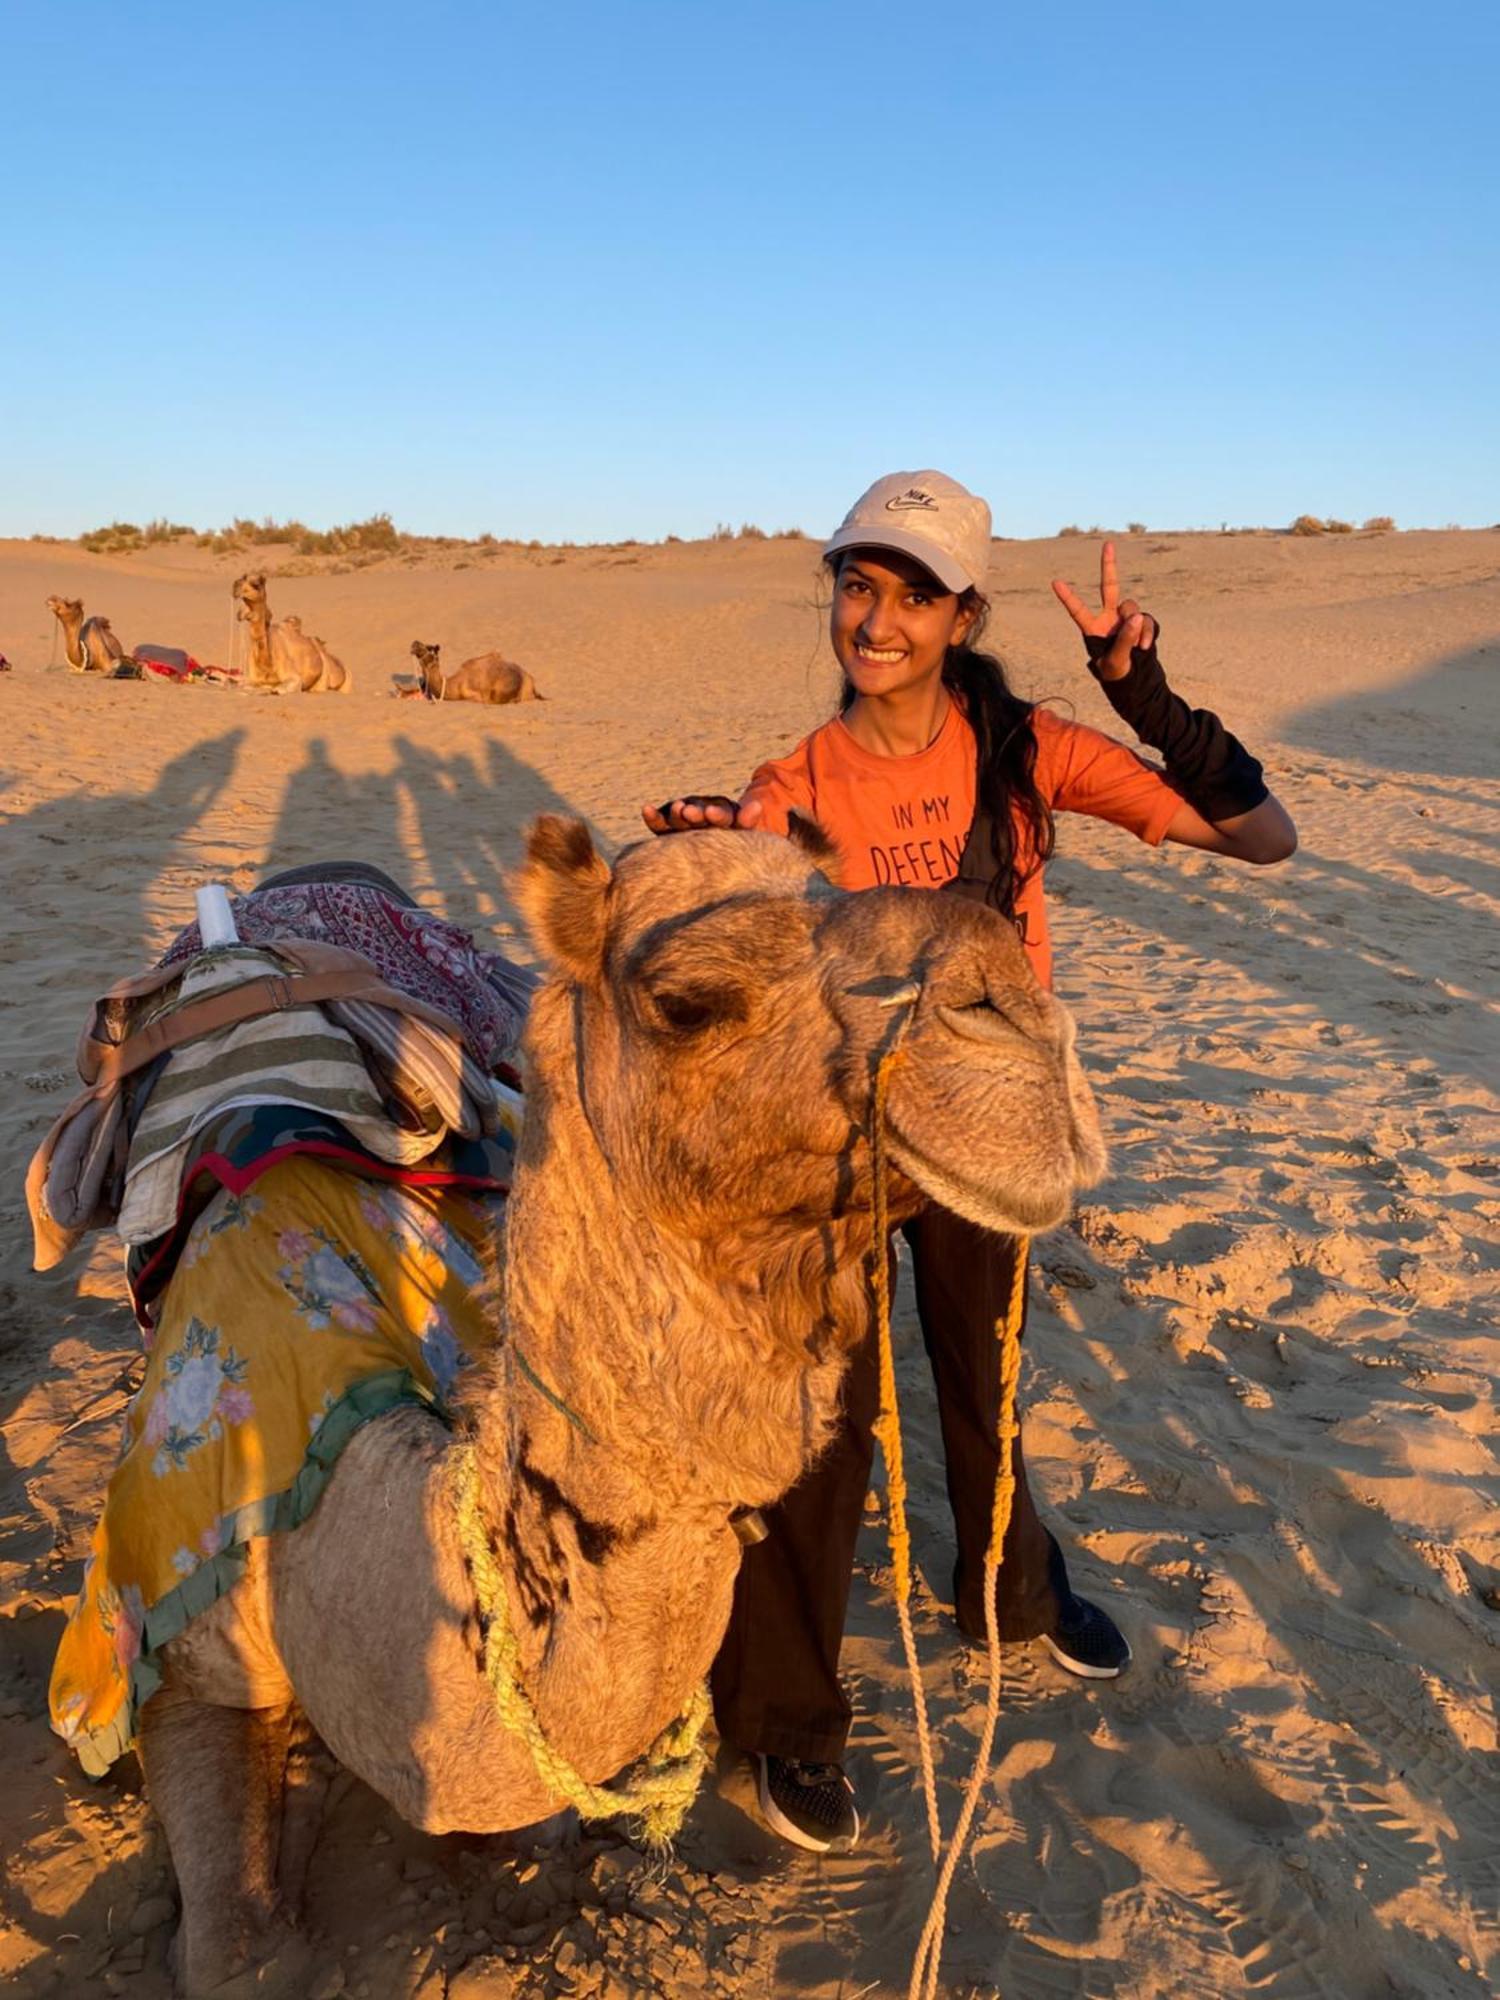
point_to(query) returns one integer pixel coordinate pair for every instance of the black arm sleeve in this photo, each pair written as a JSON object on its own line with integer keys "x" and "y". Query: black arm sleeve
{"x": 1213, "y": 770}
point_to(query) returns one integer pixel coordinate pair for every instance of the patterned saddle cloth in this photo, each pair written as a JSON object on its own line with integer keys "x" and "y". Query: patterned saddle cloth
{"x": 297, "y": 1311}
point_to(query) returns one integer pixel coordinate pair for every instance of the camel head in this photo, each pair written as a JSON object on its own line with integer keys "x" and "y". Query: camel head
{"x": 721, "y": 1009}
{"x": 251, "y": 593}
{"x": 428, "y": 667}
{"x": 67, "y": 610}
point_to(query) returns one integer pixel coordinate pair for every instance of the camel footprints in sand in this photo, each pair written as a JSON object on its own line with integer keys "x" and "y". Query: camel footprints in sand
{"x": 488, "y": 677}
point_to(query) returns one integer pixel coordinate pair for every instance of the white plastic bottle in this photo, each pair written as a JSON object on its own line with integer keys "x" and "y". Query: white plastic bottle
{"x": 215, "y": 918}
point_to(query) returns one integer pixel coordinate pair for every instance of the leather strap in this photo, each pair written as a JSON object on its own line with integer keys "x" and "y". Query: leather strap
{"x": 271, "y": 994}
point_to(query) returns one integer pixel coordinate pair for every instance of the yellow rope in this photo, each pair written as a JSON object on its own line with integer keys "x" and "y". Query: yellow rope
{"x": 888, "y": 1430}
{"x": 924, "y": 1974}
{"x": 659, "y": 1796}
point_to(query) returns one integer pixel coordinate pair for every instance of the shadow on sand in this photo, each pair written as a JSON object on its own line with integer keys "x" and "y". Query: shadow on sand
{"x": 1445, "y": 721}
{"x": 448, "y": 826}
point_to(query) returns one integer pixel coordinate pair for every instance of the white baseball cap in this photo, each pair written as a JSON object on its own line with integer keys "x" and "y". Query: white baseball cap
{"x": 925, "y": 515}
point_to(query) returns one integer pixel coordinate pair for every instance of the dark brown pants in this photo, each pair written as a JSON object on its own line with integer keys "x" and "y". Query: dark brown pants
{"x": 775, "y": 1682}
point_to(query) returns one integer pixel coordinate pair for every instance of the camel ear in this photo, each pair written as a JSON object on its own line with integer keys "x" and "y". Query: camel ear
{"x": 815, "y": 844}
{"x": 562, "y": 890}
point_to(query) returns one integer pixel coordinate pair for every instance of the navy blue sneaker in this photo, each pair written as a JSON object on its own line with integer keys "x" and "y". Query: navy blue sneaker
{"x": 811, "y": 1805}
{"x": 1088, "y": 1642}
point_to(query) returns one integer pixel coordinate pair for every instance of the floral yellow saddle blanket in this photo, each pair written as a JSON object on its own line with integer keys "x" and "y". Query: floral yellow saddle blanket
{"x": 298, "y": 1311}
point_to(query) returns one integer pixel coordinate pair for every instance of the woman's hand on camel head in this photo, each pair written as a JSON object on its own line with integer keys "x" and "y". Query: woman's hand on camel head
{"x": 700, "y": 809}
{"x": 1115, "y": 630}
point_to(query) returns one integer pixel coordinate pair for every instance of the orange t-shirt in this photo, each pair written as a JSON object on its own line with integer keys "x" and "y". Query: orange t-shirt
{"x": 905, "y": 820}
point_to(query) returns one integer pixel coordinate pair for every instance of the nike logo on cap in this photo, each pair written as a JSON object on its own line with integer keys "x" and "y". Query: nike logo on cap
{"x": 912, "y": 497}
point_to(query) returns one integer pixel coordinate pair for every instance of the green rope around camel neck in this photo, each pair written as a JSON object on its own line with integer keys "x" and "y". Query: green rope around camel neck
{"x": 664, "y": 1784}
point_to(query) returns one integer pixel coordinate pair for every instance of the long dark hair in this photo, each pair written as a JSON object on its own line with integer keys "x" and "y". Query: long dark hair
{"x": 1005, "y": 788}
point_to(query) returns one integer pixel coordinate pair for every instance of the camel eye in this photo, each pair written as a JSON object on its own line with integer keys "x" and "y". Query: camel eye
{"x": 704, "y": 1007}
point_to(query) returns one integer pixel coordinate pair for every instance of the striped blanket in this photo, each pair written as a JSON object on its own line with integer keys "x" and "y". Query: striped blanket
{"x": 397, "y": 1084}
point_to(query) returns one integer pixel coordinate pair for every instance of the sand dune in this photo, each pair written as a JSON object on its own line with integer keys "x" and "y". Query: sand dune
{"x": 1261, "y": 1387}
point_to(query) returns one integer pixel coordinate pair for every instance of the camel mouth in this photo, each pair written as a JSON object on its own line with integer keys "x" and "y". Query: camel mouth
{"x": 1027, "y": 1052}
{"x": 1012, "y": 1212}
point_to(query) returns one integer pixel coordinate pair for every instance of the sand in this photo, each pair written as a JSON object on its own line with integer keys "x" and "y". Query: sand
{"x": 1260, "y": 1393}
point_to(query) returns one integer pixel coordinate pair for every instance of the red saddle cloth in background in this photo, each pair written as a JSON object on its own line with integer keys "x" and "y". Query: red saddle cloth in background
{"x": 171, "y": 662}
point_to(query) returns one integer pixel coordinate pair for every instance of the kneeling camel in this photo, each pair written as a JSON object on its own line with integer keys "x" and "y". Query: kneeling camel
{"x": 91, "y": 647}
{"x": 690, "y": 1244}
{"x": 284, "y": 658}
{"x": 488, "y": 677}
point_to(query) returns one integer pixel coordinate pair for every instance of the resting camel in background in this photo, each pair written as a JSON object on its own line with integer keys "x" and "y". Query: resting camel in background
{"x": 689, "y": 1248}
{"x": 91, "y": 646}
{"x": 487, "y": 677}
{"x": 283, "y": 658}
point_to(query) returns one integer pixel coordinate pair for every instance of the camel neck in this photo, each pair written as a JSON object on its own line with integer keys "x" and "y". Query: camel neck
{"x": 678, "y": 1373}
{"x": 258, "y": 618}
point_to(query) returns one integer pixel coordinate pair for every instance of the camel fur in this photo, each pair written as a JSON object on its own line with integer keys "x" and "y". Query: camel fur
{"x": 283, "y": 658}
{"x": 91, "y": 646}
{"x": 690, "y": 1240}
{"x": 488, "y": 677}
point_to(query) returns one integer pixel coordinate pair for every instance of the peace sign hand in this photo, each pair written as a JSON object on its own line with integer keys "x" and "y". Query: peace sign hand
{"x": 1115, "y": 630}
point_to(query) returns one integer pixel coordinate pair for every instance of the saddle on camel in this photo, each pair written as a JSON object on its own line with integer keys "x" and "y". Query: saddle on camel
{"x": 455, "y": 1501}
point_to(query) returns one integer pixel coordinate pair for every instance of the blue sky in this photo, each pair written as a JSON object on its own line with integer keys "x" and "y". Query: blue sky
{"x": 590, "y": 271}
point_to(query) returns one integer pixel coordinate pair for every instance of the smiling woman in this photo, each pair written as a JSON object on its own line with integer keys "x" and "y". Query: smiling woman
{"x": 934, "y": 775}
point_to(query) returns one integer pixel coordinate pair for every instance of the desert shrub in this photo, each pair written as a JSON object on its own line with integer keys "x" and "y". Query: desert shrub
{"x": 1306, "y": 524}
{"x": 1379, "y": 524}
{"x": 378, "y": 535}
{"x": 116, "y": 539}
{"x": 161, "y": 530}
{"x": 1339, "y": 527}
{"x": 722, "y": 532}
{"x": 788, "y": 535}
{"x": 1071, "y": 529}
{"x": 1136, "y": 528}
{"x": 674, "y": 538}
{"x": 750, "y": 533}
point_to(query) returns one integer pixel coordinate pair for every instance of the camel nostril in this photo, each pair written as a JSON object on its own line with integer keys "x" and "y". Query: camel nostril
{"x": 904, "y": 996}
